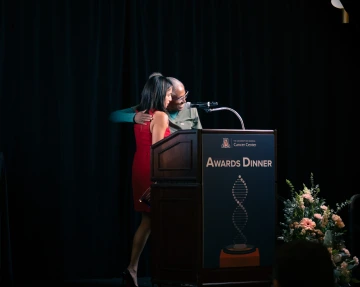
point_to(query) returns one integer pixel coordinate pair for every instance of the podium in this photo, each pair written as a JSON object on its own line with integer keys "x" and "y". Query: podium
{"x": 213, "y": 208}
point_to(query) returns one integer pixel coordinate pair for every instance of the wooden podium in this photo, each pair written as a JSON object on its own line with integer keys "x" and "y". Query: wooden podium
{"x": 183, "y": 200}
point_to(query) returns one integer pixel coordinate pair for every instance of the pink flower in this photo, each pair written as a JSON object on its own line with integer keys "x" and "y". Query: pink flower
{"x": 356, "y": 260}
{"x": 308, "y": 197}
{"x": 323, "y": 207}
{"x": 346, "y": 251}
{"x": 338, "y": 221}
{"x": 318, "y": 216}
{"x": 344, "y": 265}
{"x": 307, "y": 224}
{"x": 335, "y": 217}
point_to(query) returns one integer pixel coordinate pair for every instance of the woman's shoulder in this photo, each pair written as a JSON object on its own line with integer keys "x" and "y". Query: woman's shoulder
{"x": 160, "y": 114}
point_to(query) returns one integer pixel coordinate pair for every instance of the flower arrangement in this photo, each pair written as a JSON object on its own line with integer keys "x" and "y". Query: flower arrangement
{"x": 307, "y": 216}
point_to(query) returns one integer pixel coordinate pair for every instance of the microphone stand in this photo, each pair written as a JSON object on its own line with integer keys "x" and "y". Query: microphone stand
{"x": 208, "y": 110}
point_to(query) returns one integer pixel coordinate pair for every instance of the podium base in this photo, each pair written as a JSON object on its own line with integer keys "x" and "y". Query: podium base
{"x": 239, "y": 260}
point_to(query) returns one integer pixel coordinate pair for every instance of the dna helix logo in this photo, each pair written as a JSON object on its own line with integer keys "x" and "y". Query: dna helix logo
{"x": 239, "y": 216}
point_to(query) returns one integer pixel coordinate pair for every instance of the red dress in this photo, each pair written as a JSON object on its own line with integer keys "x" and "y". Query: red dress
{"x": 141, "y": 163}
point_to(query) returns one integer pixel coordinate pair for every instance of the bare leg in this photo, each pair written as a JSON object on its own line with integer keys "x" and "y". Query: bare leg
{"x": 140, "y": 238}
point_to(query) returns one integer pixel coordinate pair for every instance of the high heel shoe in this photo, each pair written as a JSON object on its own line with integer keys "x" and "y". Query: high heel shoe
{"x": 128, "y": 279}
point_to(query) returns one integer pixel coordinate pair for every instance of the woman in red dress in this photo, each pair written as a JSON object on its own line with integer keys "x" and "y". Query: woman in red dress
{"x": 155, "y": 98}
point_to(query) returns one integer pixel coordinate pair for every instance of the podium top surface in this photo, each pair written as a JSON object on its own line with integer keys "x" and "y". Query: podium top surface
{"x": 200, "y": 132}
{"x": 236, "y": 131}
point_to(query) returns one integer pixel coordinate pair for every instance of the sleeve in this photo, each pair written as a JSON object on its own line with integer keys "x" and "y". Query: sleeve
{"x": 196, "y": 119}
{"x": 123, "y": 116}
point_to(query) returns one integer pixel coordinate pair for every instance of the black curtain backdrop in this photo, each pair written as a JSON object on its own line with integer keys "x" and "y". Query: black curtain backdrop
{"x": 288, "y": 65}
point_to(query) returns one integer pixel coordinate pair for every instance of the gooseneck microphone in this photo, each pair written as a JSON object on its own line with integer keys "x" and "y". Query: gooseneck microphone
{"x": 208, "y": 107}
{"x": 201, "y": 104}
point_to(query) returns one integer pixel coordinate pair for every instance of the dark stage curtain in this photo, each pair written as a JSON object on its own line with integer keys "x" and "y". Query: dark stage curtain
{"x": 65, "y": 65}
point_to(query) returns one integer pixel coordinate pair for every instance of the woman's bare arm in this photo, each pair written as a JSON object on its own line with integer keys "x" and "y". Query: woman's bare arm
{"x": 158, "y": 126}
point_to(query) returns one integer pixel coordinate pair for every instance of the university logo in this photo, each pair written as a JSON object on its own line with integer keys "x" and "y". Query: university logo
{"x": 226, "y": 143}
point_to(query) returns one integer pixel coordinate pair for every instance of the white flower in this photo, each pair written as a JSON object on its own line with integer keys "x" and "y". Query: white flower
{"x": 337, "y": 258}
{"x": 306, "y": 190}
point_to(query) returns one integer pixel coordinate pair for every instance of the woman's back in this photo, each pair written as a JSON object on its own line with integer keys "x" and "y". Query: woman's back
{"x": 141, "y": 163}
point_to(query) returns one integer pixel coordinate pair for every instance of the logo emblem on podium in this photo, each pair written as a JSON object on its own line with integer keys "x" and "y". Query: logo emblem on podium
{"x": 226, "y": 143}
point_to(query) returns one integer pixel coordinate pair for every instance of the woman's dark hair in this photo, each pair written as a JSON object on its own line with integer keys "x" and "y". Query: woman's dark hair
{"x": 154, "y": 93}
{"x": 304, "y": 263}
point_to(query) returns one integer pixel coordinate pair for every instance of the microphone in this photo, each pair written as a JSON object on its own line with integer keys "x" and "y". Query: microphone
{"x": 204, "y": 105}
{"x": 207, "y": 106}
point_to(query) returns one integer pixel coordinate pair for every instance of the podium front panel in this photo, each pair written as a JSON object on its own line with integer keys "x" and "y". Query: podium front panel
{"x": 239, "y": 199}
{"x": 175, "y": 158}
